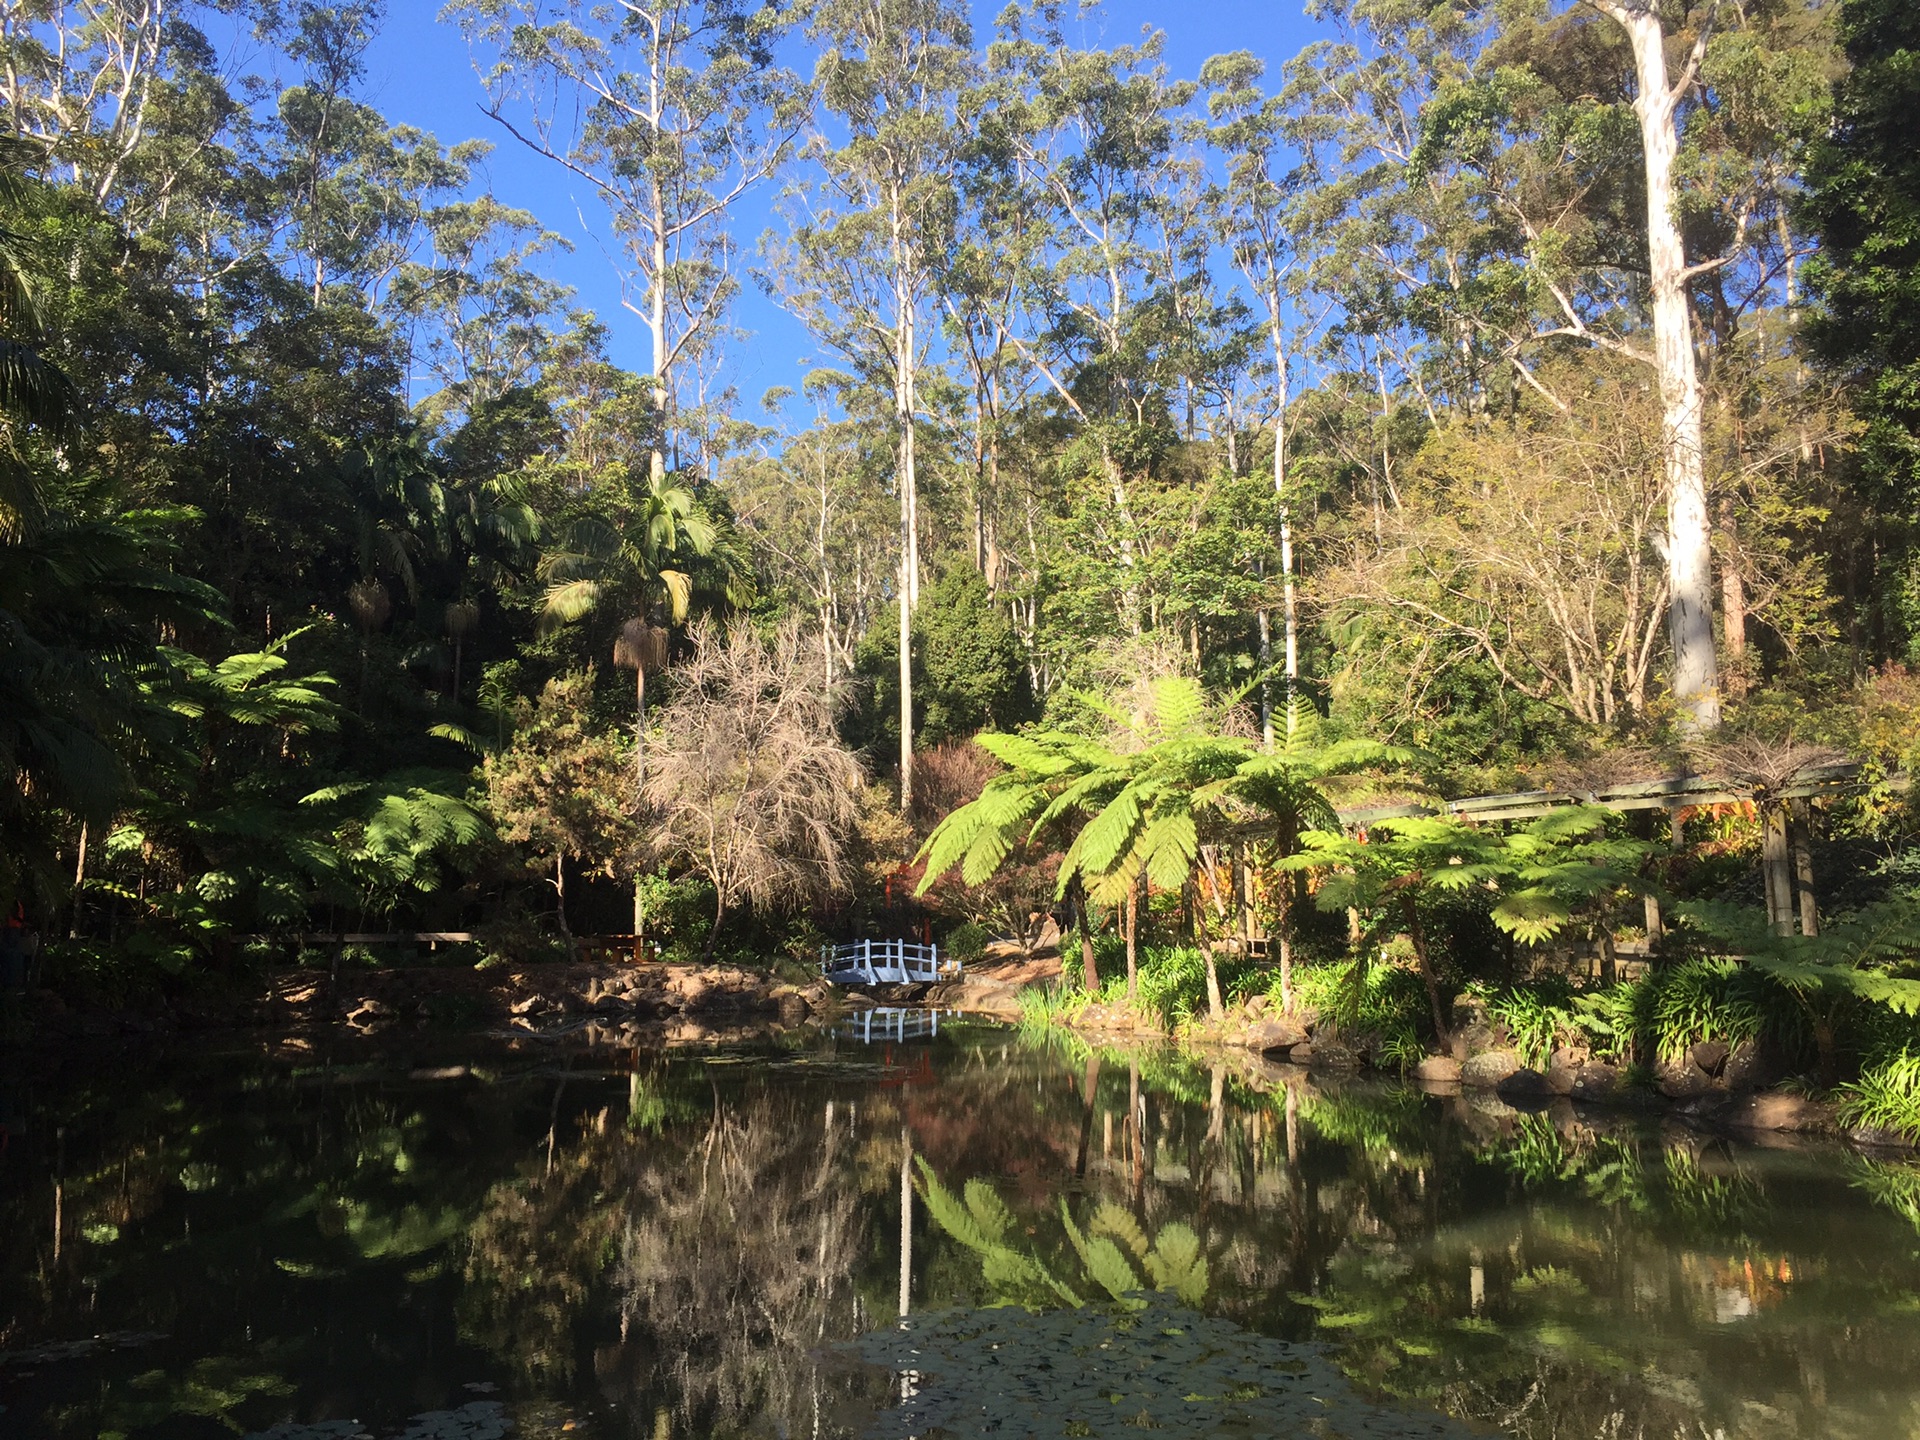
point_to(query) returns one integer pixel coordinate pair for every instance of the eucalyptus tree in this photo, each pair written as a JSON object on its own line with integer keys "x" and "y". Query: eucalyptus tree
{"x": 672, "y": 110}
{"x": 813, "y": 510}
{"x": 859, "y": 262}
{"x": 1252, "y": 211}
{"x": 1090, "y": 137}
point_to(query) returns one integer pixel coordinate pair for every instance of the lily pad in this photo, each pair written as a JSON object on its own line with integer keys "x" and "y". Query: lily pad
{"x": 1009, "y": 1372}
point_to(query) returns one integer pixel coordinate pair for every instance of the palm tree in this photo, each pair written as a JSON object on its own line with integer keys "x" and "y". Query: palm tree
{"x": 634, "y": 561}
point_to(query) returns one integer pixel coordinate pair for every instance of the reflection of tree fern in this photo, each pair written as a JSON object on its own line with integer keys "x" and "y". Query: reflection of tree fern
{"x": 981, "y": 1222}
{"x": 1109, "y": 1248}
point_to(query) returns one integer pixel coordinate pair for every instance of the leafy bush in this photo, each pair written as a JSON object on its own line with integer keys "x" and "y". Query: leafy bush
{"x": 1173, "y": 983}
{"x": 967, "y": 943}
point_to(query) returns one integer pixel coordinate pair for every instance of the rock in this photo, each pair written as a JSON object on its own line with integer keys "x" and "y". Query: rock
{"x": 1438, "y": 1070}
{"x": 865, "y": 1002}
{"x": 1301, "y": 1054}
{"x": 1328, "y": 1054}
{"x": 1748, "y": 1066}
{"x": 1681, "y": 1080}
{"x": 1596, "y": 1081}
{"x": 1473, "y": 1028}
{"x": 1710, "y": 1056}
{"x": 1772, "y": 1111}
{"x": 1275, "y": 1034}
{"x": 1489, "y": 1067}
{"x": 1563, "y": 1068}
{"x": 1876, "y": 1139}
{"x": 1526, "y": 1089}
{"x": 1257, "y": 1005}
{"x": 366, "y": 1013}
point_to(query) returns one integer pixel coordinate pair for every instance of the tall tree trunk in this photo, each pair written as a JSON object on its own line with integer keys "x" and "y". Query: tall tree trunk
{"x": 1696, "y": 677}
{"x": 1089, "y": 971}
{"x": 906, "y": 694}
{"x": 1289, "y": 598}
{"x": 1733, "y": 586}
{"x": 1133, "y": 940}
{"x": 1410, "y": 911}
{"x": 906, "y": 479}
{"x": 79, "y": 880}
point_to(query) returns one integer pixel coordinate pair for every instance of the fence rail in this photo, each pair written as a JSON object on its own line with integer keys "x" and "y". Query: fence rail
{"x": 882, "y": 962}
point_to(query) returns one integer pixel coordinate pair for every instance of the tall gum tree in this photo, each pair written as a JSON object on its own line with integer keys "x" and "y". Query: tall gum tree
{"x": 1252, "y": 214}
{"x": 1090, "y": 136}
{"x": 672, "y": 110}
{"x": 1689, "y": 543}
{"x": 859, "y": 263}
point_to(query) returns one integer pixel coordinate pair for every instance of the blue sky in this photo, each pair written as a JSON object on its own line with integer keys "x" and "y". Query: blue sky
{"x": 419, "y": 72}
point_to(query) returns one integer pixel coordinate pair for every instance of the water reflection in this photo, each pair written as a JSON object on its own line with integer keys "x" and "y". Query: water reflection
{"x": 724, "y": 1244}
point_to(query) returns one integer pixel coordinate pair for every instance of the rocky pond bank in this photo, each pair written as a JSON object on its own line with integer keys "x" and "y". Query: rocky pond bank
{"x": 1739, "y": 1088}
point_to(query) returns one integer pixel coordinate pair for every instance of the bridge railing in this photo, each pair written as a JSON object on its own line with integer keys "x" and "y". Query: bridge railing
{"x": 880, "y": 962}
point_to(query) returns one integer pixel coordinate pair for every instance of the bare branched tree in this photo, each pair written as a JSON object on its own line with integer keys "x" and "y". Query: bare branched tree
{"x": 748, "y": 781}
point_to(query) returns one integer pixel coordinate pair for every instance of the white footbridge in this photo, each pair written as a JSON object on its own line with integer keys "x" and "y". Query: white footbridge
{"x": 884, "y": 962}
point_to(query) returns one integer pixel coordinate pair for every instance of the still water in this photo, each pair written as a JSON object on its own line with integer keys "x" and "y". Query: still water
{"x": 451, "y": 1238}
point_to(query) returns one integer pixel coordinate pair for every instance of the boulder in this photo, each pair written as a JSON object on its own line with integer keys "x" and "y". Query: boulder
{"x": 1328, "y": 1053}
{"x": 1681, "y": 1080}
{"x": 1710, "y": 1056}
{"x": 1773, "y": 1111}
{"x": 1438, "y": 1070}
{"x": 1596, "y": 1081}
{"x": 1563, "y": 1068}
{"x": 1274, "y": 1034}
{"x": 1257, "y": 1005}
{"x": 1473, "y": 1028}
{"x": 855, "y": 998}
{"x": 1488, "y": 1068}
{"x": 1526, "y": 1089}
{"x": 1748, "y": 1066}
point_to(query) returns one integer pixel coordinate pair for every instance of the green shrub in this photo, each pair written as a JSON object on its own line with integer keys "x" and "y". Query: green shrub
{"x": 1382, "y": 999}
{"x": 1885, "y": 1097}
{"x": 967, "y": 943}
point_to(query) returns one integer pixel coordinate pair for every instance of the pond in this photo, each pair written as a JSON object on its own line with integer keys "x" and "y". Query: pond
{"x": 448, "y": 1236}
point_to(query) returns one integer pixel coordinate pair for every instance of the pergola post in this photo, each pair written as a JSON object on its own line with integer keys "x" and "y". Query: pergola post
{"x": 1800, "y": 836}
{"x": 1774, "y": 866}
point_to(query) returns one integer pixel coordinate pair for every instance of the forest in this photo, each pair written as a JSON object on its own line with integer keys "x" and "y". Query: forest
{"x": 1490, "y": 398}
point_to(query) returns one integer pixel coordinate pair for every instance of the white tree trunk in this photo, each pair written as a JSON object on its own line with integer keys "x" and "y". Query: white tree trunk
{"x": 1290, "y": 599}
{"x": 1696, "y": 673}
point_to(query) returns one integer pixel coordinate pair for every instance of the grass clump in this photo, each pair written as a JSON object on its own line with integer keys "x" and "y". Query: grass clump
{"x": 1885, "y": 1097}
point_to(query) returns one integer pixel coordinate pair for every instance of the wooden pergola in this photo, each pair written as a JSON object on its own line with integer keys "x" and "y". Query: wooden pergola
{"x": 1786, "y": 811}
